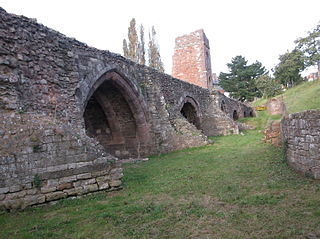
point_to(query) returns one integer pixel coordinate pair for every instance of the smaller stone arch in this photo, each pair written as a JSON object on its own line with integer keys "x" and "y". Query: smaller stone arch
{"x": 251, "y": 114}
{"x": 235, "y": 115}
{"x": 223, "y": 106}
{"x": 189, "y": 108}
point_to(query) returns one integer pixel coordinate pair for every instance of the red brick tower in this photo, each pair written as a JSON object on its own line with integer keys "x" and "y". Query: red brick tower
{"x": 191, "y": 59}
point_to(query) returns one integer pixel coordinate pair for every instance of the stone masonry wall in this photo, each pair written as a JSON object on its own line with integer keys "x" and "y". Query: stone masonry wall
{"x": 42, "y": 161}
{"x": 301, "y": 136}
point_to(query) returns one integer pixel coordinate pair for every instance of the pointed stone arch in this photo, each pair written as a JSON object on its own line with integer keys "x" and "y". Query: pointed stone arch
{"x": 189, "y": 108}
{"x": 115, "y": 114}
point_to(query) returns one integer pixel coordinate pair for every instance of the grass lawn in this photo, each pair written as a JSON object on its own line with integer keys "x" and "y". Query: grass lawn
{"x": 305, "y": 96}
{"x": 237, "y": 187}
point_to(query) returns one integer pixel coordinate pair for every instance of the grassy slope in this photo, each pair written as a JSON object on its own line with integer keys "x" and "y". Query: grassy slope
{"x": 236, "y": 188}
{"x": 305, "y": 96}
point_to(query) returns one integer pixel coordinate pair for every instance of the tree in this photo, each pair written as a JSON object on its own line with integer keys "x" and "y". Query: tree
{"x": 268, "y": 86}
{"x": 287, "y": 72}
{"x": 240, "y": 82}
{"x": 310, "y": 46}
{"x": 125, "y": 48}
{"x": 154, "y": 53}
{"x": 141, "y": 47}
{"x": 132, "y": 48}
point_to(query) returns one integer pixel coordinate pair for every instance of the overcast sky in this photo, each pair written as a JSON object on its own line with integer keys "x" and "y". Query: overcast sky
{"x": 256, "y": 29}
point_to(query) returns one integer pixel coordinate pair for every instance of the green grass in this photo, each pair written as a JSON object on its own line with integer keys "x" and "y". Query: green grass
{"x": 305, "y": 96}
{"x": 259, "y": 102}
{"x": 262, "y": 119}
{"x": 238, "y": 187}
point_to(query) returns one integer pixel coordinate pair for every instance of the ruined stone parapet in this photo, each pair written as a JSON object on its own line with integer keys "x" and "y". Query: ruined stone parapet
{"x": 272, "y": 133}
{"x": 43, "y": 160}
{"x": 301, "y": 136}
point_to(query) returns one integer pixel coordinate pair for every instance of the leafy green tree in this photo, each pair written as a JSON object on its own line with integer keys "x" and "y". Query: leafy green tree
{"x": 268, "y": 86}
{"x": 240, "y": 81}
{"x": 310, "y": 46}
{"x": 287, "y": 72}
{"x": 154, "y": 52}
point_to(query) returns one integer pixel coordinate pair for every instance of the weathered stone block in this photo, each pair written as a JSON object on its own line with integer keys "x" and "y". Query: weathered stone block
{"x": 115, "y": 183}
{"x": 55, "y": 195}
{"x": 32, "y": 200}
{"x": 103, "y": 185}
{"x": 4, "y": 190}
{"x": 68, "y": 179}
{"x": 63, "y": 186}
{"x": 32, "y": 191}
{"x": 84, "y": 176}
{"x": 16, "y": 195}
{"x": 103, "y": 178}
{"x": 15, "y": 188}
{"x": 48, "y": 189}
{"x": 90, "y": 188}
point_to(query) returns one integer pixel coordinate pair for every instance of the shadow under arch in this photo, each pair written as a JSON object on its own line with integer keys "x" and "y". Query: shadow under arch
{"x": 189, "y": 108}
{"x": 115, "y": 114}
{"x": 235, "y": 115}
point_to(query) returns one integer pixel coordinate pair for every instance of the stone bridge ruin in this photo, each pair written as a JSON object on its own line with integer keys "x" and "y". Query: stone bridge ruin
{"x": 69, "y": 113}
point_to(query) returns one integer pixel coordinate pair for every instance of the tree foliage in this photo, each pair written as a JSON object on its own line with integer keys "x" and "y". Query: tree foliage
{"x": 141, "y": 47}
{"x": 287, "y": 72}
{"x": 240, "y": 81}
{"x": 133, "y": 41}
{"x": 310, "y": 46}
{"x": 154, "y": 52}
{"x": 125, "y": 48}
{"x": 135, "y": 49}
{"x": 268, "y": 86}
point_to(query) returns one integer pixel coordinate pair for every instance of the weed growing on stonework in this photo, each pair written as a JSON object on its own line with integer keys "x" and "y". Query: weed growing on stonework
{"x": 36, "y": 181}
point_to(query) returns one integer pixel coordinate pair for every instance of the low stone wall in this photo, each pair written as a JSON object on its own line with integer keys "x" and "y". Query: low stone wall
{"x": 272, "y": 133}
{"x": 301, "y": 134}
{"x": 43, "y": 160}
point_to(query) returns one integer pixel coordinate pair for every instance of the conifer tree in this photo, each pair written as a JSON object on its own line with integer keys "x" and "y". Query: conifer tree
{"x": 125, "y": 48}
{"x": 154, "y": 53}
{"x": 133, "y": 41}
{"x": 141, "y": 48}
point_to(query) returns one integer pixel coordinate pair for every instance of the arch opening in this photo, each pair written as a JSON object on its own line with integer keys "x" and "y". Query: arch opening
{"x": 251, "y": 114}
{"x": 190, "y": 113}
{"x": 114, "y": 116}
{"x": 235, "y": 115}
{"x": 223, "y": 106}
